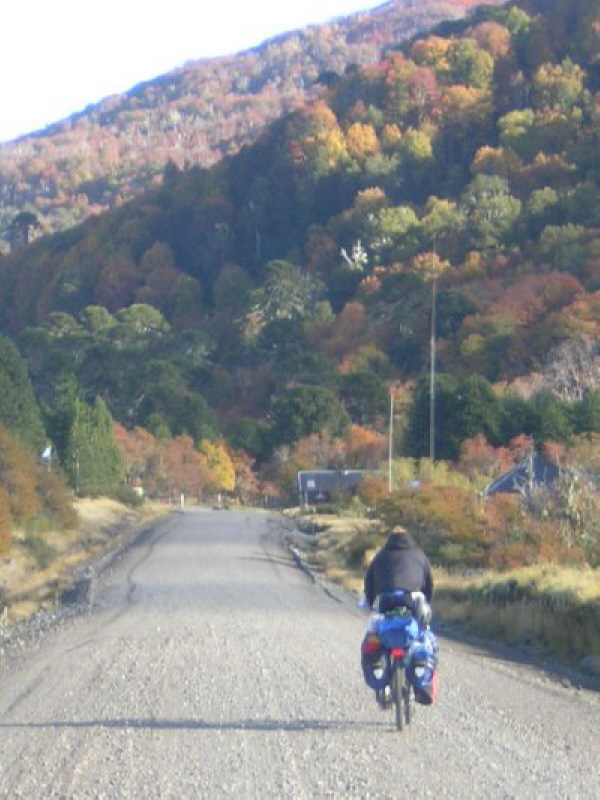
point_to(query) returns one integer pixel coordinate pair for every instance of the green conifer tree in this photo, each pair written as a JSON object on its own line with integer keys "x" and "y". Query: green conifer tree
{"x": 19, "y": 410}
{"x": 92, "y": 460}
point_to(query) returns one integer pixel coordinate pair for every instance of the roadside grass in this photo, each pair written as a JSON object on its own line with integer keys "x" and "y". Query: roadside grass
{"x": 43, "y": 560}
{"x": 553, "y": 609}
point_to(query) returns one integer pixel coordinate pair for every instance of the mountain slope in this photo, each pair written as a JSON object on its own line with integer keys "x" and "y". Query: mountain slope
{"x": 282, "y": 291}
{"x": 111, "y": 151}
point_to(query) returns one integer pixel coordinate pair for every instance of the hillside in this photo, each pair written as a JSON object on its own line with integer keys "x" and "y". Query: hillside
{"x": 273, "y": 312}
{"x": 112, "y": 151}
{"x": 280, "y": 293}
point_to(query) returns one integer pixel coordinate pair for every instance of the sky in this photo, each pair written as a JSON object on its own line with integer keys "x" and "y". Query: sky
{"x": 59, "y": 56}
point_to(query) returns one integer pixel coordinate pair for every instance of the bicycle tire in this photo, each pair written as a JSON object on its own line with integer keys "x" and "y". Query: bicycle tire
{"x": 398, "y": 689}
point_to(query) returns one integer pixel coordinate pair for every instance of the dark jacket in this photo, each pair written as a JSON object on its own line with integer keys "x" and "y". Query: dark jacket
{"x": 398, "y": 565}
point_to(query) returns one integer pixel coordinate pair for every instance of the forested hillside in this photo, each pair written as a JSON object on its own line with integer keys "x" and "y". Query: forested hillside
{"x": 194, "y": 115}
{"x": 261, "y": 311}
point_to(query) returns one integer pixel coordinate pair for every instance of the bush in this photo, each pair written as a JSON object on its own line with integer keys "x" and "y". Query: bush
{"x": 438, "y": 517}
{"x": 355, "y": 552}
{"x": 5, "y": 523}
{"x": 42, "y": 553}
{"x": 128, "y": 496}
{"x": 372, "y": 489}
{"x": 328, "y": 508}
{"x": 57, "y": 501}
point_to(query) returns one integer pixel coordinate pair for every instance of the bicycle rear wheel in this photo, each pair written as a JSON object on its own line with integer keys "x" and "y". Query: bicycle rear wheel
{"x": 398, "y": 692}
{"x": 408, "y": 702}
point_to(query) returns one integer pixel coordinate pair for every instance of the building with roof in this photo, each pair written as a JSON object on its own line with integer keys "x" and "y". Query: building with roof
{"x": 323, "y": 485}
{"x": 532, "y": 472}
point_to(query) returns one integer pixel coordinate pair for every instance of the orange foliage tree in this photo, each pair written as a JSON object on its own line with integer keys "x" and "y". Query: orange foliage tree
{"x": 247, "y": 486}
{"x": 29, "y": 491}
{"x": 136, "y": 448}
{"x": 364, "y": 448}
{"x": 181, "y": 468}
{"x": 18, "y": 477}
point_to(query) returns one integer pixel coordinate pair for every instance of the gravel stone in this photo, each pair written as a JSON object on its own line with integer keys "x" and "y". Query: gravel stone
{"x": 210, "y": 665}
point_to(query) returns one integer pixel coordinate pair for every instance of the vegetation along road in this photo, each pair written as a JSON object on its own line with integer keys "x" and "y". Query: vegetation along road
{"x": 211, "y": 666}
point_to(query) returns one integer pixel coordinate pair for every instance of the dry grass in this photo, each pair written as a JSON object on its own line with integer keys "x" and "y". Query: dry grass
{"x": 40, "y": 567}
{"x": 558, "y": 585}
{"x": 554, "y": 608}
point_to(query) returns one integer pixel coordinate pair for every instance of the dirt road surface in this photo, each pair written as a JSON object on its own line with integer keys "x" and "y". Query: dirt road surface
{"x": 211, "y": 666}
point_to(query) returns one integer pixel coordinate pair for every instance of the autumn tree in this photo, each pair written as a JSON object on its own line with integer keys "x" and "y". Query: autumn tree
{"x": 558, "y": 86}
{"x": 394, "y": 233}
{"x": 364, "y": 448}
{"x": 247, "y": 485}
{"x": 178, "y": 468}
{"x": 136, "y": 448}
{"x": 361, "y": 141}
{"x": 478, "y": 458}
{"x": 29, "y": 490}
{"x": 219, "y": 467}
{"x": 494, "y": 38}
{"x": 469, "y": 64}
{"x": 423, "y": 97}
{"x": 18, "y": 469}
{"x": 317, "y": 141}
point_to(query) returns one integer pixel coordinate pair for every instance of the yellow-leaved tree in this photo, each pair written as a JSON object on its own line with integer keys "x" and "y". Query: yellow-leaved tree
{"x": 220, "y": 469}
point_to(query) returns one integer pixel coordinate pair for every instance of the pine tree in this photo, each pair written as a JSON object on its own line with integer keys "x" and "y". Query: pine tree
{"x": 93, "y": 461}
{"x": 19, "y": 410}
{"x": 60, "y": 416}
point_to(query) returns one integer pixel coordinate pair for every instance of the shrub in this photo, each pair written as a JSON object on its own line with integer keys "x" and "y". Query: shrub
{"x": 5, "y": 522}
{"x": 438, "y": 517}
{"x": 372, "y": 489}
{"x": 17, "y": 471}
{"x": 128, "y": 496}
{"x": 42, "y": 553}
{"x": 355, "y": 552}
{"x": 57, "y": 501}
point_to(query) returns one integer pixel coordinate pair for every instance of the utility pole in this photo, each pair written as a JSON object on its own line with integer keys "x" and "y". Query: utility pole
{"x": 432, "y": 359}
{"x": 391, "y": 441}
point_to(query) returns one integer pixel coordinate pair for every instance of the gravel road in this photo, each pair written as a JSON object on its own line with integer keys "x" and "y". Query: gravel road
{"x": 211, "y": 666}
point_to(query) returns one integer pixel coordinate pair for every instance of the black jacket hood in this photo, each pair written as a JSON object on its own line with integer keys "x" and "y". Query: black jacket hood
{"x": 399, "y": 541}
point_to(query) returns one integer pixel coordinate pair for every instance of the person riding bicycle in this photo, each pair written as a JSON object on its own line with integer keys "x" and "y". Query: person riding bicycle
{"x": 399, "y": 565}
{"x": 398, "y": 575}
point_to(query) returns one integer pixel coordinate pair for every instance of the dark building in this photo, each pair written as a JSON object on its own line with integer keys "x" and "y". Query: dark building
{"x": 532, "y": 472}
{"x": 323, "y": 485}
